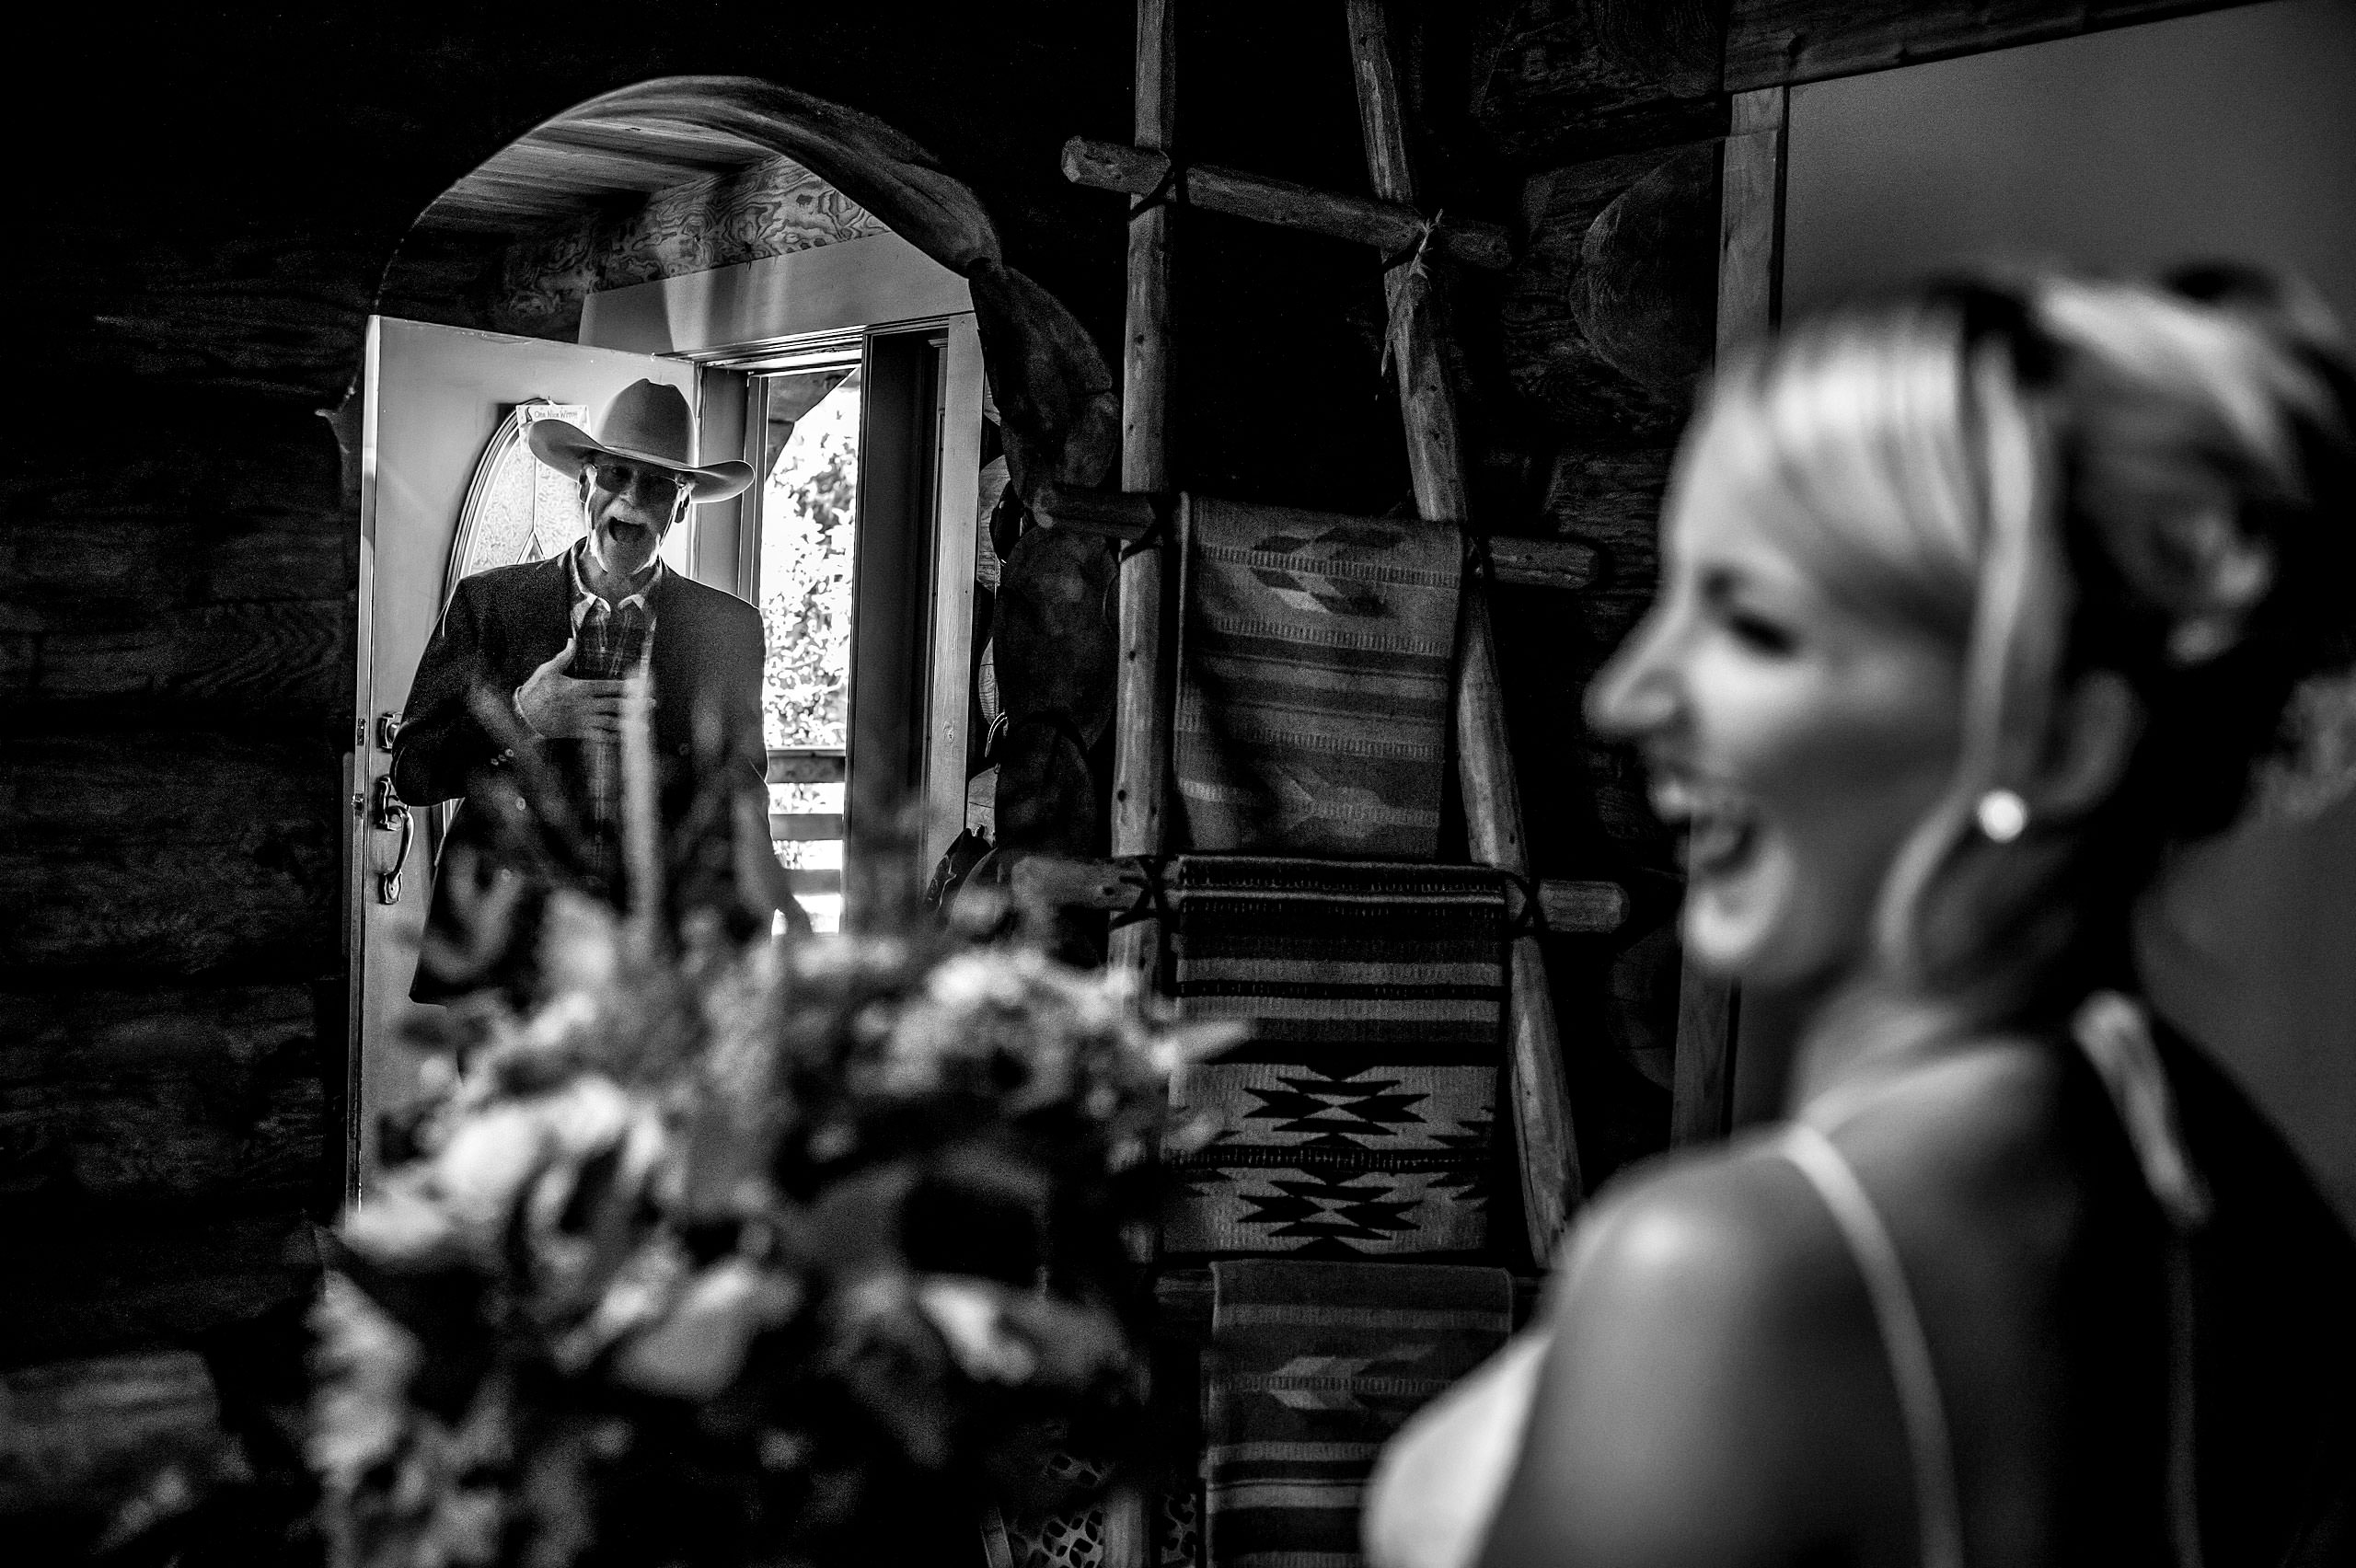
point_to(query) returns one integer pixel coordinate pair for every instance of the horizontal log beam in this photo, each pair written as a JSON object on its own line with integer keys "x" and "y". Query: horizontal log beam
{"x": 208, "y": 567}
{"x": 1564, "y": 83}
{"x": 84, "y": 1434}
{"x": 284, "y": 659}
{"x": 182, "y": 1092}
{"x": 1566, "y": 907}
{"x": 112, "y": 550}
{"x": 177, "y": 1139}
{"x": 144, "y": 851}
{"x": 1108, "y": 514}
{"x": 117, "y": 1275}
{"x": 1609, "y": 498}
{"x": 1780, "y": 42}
{"x": 1540, "y": 563}
{"x": 1584, "y": 907}
{"x": 1388, "y": 226}
{"x": 1055, "y": 882}
{"x": 1112, "y": 514}
{"x": 284, "y": 316}
{"x": 50, "y": 1033}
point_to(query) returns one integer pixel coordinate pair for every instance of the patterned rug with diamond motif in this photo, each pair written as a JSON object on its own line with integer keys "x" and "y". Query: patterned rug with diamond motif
{"x": 1355, "y": 1120}
{"x": 1315, "y": 679}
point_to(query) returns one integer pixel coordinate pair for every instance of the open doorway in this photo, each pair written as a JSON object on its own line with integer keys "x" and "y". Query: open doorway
{"x": 866, "y": 690}
{"x": 801, "y": 536}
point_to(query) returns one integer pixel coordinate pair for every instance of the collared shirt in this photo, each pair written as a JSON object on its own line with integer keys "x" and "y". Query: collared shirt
{"x": 585, "y": 601}
{"x": 615, "y": 640}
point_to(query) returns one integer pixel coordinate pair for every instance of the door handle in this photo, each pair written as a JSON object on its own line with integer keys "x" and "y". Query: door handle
{"x": 390, "y": 812}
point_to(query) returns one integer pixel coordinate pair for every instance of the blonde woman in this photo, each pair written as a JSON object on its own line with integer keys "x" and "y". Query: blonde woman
{"x": 1974, "y": 604}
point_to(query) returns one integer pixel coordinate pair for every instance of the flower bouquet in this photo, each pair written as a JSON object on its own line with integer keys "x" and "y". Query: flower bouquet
{"x": 804, "y": 1255}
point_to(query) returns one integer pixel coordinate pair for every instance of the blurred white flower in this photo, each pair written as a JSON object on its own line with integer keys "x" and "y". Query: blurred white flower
{"x": 969, "y": 1313}
{"x": 699, "y": 1347}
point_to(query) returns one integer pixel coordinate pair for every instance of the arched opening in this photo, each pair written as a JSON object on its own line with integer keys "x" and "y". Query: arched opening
{"x": 838, "y": 314}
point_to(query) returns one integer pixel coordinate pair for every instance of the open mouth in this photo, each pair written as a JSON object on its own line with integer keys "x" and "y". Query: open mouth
{"x": 1720, "y": 832}
{"x": 629, "y": 534}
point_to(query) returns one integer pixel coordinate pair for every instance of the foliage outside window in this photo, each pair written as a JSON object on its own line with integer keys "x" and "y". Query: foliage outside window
{"x": 807, "y": 507}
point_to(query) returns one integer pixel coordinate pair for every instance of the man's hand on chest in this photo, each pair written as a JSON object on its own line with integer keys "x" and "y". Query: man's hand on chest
{"x": 557, "y": 706}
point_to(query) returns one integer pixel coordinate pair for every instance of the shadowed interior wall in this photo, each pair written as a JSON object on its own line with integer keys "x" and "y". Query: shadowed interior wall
{"x": 2231, "y": 133}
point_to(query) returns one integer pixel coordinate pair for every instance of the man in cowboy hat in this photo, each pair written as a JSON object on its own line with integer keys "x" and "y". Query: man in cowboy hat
{"x": 518, "y": 703}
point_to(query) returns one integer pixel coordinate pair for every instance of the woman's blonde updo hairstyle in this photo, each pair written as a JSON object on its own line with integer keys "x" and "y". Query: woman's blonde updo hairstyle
{"x": 2061, "y": 474}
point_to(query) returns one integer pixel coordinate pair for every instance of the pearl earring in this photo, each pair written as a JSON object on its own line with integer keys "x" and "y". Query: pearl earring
{"x": 2003, "y": 815}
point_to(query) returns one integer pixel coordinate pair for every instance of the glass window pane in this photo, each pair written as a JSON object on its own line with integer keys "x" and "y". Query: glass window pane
{"x": 518, "y": 509}
{"x": 809, "y": 485}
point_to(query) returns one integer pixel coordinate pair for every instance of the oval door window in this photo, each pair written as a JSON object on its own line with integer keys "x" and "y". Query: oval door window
{"x": 518, "y": 509}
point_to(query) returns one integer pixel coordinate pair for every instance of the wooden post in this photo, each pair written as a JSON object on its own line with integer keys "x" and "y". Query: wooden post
{"x": 1141, "y": 700}
{"x": 1143, "y": 684}
{"x": 1751, "y": 246}
{"x": 1750, "y": 218}
{"x": 1539, "y": 1091}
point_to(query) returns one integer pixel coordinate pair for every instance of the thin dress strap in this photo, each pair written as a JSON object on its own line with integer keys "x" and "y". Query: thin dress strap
{"x": 2115, "y": 1033}
{"x": 1937, "y": 1506}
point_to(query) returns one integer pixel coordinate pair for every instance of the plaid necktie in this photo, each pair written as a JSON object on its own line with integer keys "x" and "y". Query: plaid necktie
{"x": 613, "y": 641}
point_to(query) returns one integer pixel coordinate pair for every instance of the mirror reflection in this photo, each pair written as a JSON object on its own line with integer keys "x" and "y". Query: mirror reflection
{"x": 722, "y": 441}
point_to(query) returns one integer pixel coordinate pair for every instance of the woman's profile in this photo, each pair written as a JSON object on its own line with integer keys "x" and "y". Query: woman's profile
{"x": 1975, "y": 604}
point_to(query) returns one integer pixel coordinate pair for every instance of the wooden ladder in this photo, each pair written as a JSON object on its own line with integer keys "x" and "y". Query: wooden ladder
{"x": 1394, "y": 225}
{"x": 1537, "y": 1089}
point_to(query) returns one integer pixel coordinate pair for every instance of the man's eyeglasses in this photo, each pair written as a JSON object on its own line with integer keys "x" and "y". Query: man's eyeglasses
{"x": 622, "y": 478}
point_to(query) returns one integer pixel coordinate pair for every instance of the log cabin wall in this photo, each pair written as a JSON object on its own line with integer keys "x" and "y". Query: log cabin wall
{"x": 211, "y": 207}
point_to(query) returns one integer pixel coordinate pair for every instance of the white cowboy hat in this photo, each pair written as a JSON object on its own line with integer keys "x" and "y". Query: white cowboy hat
{"x": 646, "y": 422}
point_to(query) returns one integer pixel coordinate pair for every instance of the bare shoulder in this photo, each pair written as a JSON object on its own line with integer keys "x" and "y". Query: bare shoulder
{"x": 1715, "y": 1251}
{"x": 1710, "y": 1366}
{"x": 1717, "y": 1389}
{"x": 1987, "y": 1093}
{"x": 1736, "y": 1231}
{"x": 1975, "y": 1143}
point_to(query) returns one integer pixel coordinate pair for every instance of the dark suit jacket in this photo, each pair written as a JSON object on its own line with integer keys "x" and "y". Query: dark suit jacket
{"x": 502, "y": 625}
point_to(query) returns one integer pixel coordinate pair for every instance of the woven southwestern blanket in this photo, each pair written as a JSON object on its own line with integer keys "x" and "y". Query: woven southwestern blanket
{"x": 1357, "y": 1119}
{"x": 1311, "y": 1368}
{"x": 1315, "y": 660}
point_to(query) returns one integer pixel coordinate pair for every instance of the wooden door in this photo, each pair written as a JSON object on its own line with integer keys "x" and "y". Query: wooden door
{"x": 432, "y": 398}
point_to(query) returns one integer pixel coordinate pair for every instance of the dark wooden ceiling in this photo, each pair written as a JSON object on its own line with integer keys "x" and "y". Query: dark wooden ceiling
{"x": 570, "y": 167}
